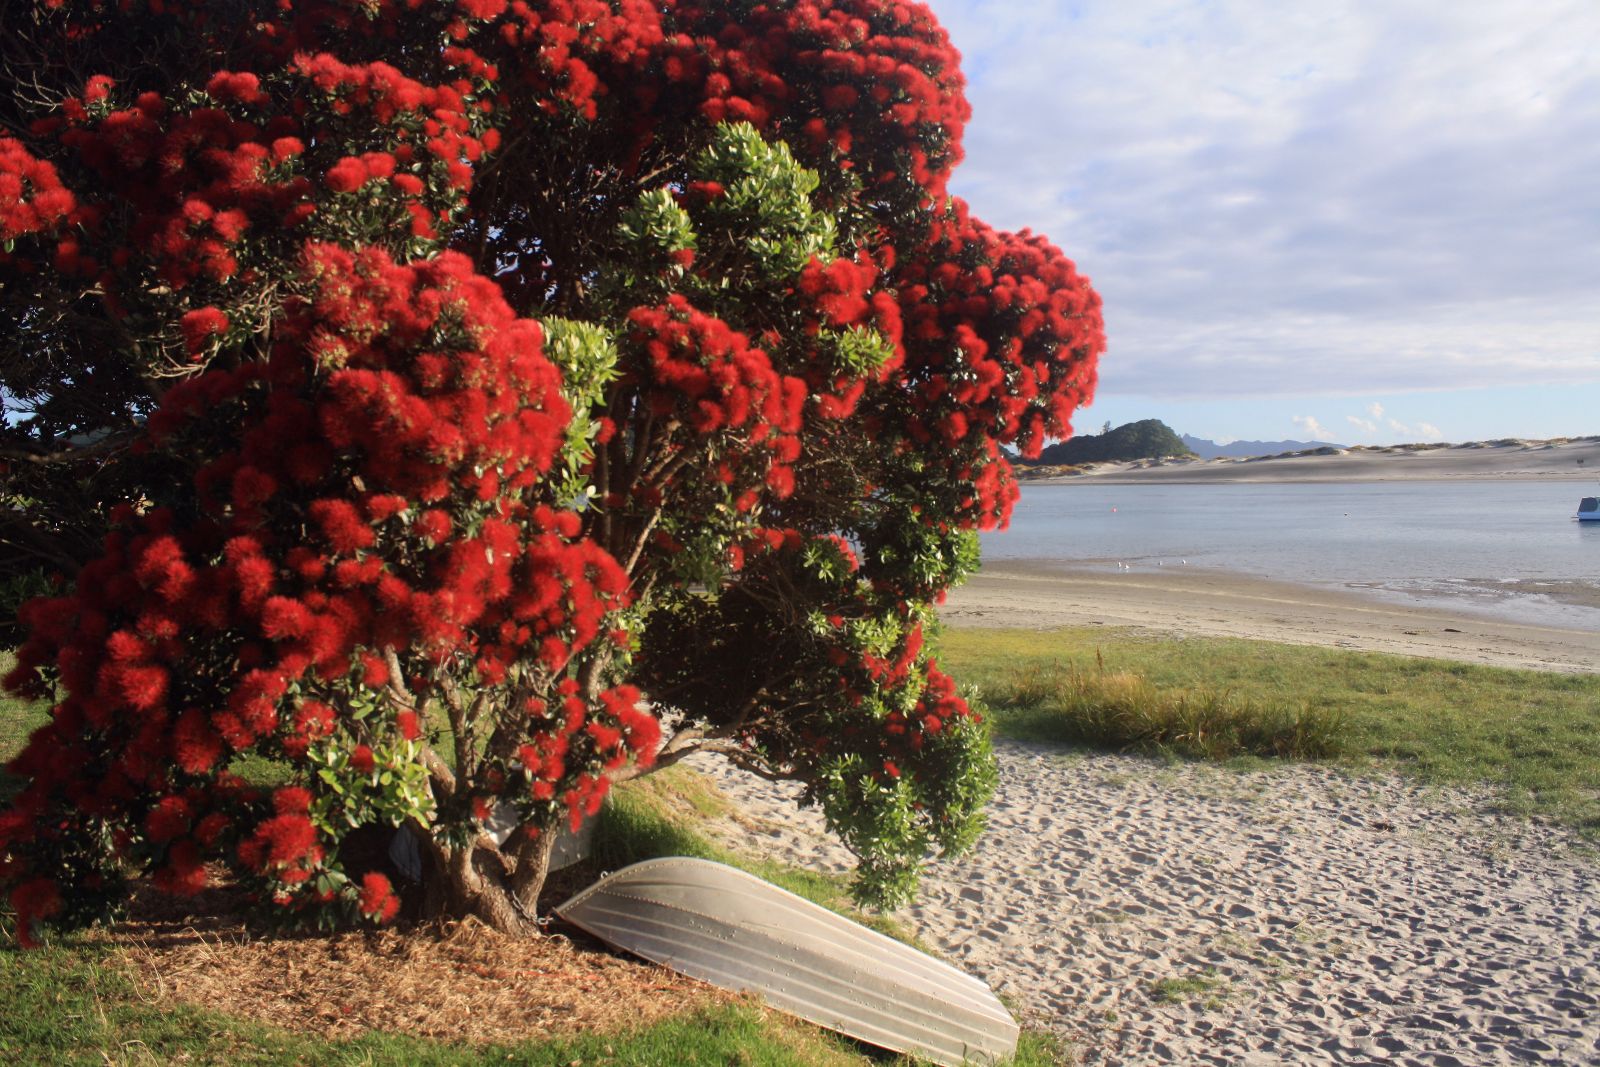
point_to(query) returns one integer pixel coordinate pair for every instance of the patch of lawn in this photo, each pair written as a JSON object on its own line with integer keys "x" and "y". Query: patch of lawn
{"x": 18, "y": 719}
{"x": 1532, "y": 734}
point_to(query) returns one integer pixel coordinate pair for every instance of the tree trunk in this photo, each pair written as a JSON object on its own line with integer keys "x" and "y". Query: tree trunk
{"x": 497, "y": 902}
{"x": 533, "y": 866}
{"x": 499, "y": 885}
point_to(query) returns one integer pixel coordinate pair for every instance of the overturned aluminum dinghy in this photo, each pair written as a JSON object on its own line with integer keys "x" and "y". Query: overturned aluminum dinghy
{"x": 733, "y": 930}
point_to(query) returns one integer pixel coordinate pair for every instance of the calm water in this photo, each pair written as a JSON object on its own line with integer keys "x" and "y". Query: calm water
{"x": 1509, "y": 549}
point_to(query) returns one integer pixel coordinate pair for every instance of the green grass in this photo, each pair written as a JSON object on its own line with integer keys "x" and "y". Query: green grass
{"x": 18, "y": 719}
{"x": 1533, "y": 735}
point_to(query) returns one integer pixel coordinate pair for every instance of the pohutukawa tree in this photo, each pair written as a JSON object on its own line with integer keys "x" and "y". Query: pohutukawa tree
{"x": 469, "y": 404}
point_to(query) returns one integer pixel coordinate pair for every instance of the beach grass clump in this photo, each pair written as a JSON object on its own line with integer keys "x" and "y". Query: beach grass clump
{"x": 1533, "y": 737}
{"x": 1208, "y": 988}
{"x": 1062, "y": 701}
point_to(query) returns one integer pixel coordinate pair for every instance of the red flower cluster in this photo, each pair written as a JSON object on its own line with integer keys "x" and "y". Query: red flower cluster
{"x": 201, "y": 325}
{"x": 589, "y": 741}
{"x": 32, "y": 197}
{"x": 1001, "y": 338}
{"x": 378, "y": 901}
{"x": 1003, "y": 332}
{"x": 869, "y": 80}
{"x": 558, "y": 45}
{"x": 846, "y": 294}
{"x": 425, "y": 122}
{"x": 716, "y": 382}
{"x": 194, "y": 181}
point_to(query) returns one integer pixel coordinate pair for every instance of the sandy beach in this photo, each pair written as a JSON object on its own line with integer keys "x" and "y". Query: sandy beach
{"x": 1564, "y": 460}
{"x": 1188, "y": 914}
{"x": 1223, "y": 604}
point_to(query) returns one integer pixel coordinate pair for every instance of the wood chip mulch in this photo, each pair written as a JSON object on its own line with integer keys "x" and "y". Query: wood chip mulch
{"x": 456, "y": 981}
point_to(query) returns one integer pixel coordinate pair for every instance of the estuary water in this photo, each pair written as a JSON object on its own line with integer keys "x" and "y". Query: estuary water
{"x": 1508, "y": 549}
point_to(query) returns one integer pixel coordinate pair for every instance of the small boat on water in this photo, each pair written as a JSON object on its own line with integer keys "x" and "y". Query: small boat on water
{"x": 1589, "y": 509}
{"x": 733, "y": 930}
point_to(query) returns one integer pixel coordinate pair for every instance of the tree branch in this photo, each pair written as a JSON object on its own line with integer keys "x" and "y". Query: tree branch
{"x": 459, "y": 729}
{"x": 439, "y": 772}
{"x": 397, "y": 682}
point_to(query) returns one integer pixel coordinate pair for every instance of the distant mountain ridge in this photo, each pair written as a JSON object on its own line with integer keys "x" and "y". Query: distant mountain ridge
{"x": 1146, "y": 439}
{"x": 1243, "y": 449}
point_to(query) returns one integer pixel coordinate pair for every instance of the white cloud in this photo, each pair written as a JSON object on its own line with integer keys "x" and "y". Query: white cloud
{"x": 1430, "y": 432}
{"x": 1366, "y": 426}
{"x": 1375, "y": 196}
{"x": 1397, "y": 426}
{"x": 1312, "y": 428}
{"x": 1375, "y": 409}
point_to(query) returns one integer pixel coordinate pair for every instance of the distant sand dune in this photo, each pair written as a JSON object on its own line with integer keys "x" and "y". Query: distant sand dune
{"x": 1560, "y": 460}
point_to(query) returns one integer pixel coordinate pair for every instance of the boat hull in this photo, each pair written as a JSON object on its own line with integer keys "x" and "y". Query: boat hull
{"x": 735, "y": 931}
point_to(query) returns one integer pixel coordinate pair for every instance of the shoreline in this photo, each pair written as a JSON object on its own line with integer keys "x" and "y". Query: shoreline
{"x": 1038, "y": 594}
{"x": 1576, "y": 461}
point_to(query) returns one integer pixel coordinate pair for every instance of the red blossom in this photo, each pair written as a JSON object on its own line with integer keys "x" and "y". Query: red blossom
{"x": 377, "y": 901}
{"x": 289, "y": 838}
{"x": 168, "y": 819}
{"x": 347, "y": 175}
{"x": 291, "y": 800}
{"x": 201, "y": 325}
{"x": 342, "y": 525}
{"x": 240, "y": 86}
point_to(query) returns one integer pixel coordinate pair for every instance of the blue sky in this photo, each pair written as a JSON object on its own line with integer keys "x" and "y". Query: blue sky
{"x": 1361, "y": 220}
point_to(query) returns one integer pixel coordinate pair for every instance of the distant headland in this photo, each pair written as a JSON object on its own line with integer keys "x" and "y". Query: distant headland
{"x": 1249, "y": 449}
{"x": 1154, "y": 439}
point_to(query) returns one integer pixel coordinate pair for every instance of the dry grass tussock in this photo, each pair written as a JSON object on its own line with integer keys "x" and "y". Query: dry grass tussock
{"x": 455, "y": 982}
{"x": 1119, "y": 709}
